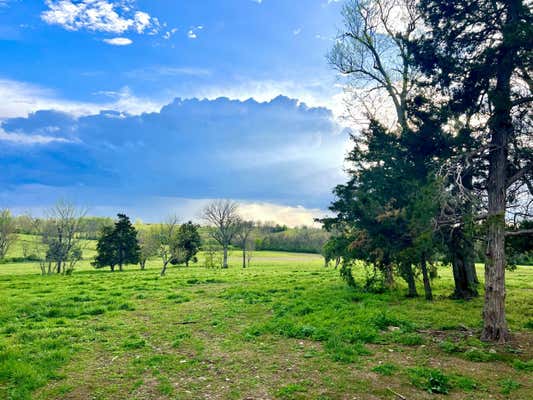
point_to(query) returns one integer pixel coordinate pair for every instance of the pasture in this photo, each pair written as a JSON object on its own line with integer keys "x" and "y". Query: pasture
{"x": 285, "y": 328}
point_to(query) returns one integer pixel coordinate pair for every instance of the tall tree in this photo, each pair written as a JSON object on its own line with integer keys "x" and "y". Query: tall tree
{"x": 118, "y": 245}
{"x": 125, "y": 236}
{"x": 61, "y": 236}
{"x": 479, "y": 52}
{"x": 106, "y": 249}
{"x": 7, "y": 232}
{"x": 223, "y": 218}
{"x": 373, "y": 52}
{"x": 189, "y": 241}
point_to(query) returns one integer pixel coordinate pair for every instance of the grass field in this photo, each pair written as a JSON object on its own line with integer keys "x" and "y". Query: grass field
{"x": 286, "y": 328}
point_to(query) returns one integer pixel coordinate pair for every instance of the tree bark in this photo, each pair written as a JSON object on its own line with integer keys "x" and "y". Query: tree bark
{"x": 164, "y": 270}
{"x": 464, "y": 269}
{"x": 244, "y": 256}
{"x": 425, "y": 278}
{"x": 501, "y": 130}
{"x": 389, "y": 276}
{"x": 410, "y": 278}
{"x": 225, "y": 259}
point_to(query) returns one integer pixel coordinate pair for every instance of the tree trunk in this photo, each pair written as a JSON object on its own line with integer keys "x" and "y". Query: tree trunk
{"x": 425, "y": 277}
{"x": 389, "y": 277}
{"x": 501, "y": 130}
{"x": 120, "y": 267}
{"x": 164, "y": 270}
{"x": 112, "y": 268}
{"x": 225, "y": 259}
{"x": 143, "y": 264}
{"x": 410, "y": 278}
{"x": 244, "y": 257}
{"x": 464, "y": 269}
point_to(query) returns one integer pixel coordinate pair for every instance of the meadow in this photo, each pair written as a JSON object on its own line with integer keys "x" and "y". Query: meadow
{"x": 285, "y": 328}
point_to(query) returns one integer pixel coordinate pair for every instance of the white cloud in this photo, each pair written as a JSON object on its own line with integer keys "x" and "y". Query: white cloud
{"x": 297, "y": 31}
{"x": 25, "y": 98}
{"x": 312, "y": 92}
{"x": 170, "y": 33}
{"x": 118, "y": 41}
{"x": 97, "y": 16}
{"x": 192, "y": 33}
{"x": 279, "y": 214}
{"x": 24, "y": 139}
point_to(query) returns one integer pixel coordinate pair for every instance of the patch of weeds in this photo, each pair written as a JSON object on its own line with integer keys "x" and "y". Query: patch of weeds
{"x": 529, "y": 324}
{"x": 94, "y": 311}
{"x": 344, "y": 352}
{"x": 212, "y": 280}
{"x": 450, "y": 347}
{"x": 463, "y": 382}
{"x": 289, "y": 391}
{"x": 520, "y": 365}
{"x": 133, "y": 343}
{"x": 126, "y": 307}
{"x": 178, "y": 298}
{"x": 508, "y": 385}
{"x": 247, "y": 296}
{"x": 165, "y": 387}
{"x": 478, "y": 355}
{"x": 409, "y": 339}
{"x": 386, "y": 369}
{"x": 179, "y": 338}
{"x": 432, "y": 380}
{"x": 383, "y": 321}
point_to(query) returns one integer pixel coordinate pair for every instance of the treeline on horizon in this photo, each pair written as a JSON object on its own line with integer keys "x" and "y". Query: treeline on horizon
{"x": 266, "y": 236}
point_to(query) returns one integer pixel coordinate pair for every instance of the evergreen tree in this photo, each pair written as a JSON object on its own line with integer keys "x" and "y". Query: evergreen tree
{"x": 118, "y": 245}
{"x": 189, "y": 241}
{"x": 479, "y": 54}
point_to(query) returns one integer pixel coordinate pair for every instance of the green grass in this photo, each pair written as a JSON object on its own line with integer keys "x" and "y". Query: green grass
{"x": 285, "y": 328}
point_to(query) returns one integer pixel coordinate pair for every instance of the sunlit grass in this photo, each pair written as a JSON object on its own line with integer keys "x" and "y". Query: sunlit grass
{"x": 285, "y": 328}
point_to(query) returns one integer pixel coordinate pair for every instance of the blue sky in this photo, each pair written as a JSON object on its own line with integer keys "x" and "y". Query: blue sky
{"x": 153, "y": 107}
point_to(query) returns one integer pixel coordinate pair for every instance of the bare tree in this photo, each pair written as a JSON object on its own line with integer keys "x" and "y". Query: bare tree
{"x": 61, "y": 235}
{"x": 223, "y": 218}
{"x": 7, "y": 232}
{"x": 243, "y": 236}
{"x": 372, "y": 53}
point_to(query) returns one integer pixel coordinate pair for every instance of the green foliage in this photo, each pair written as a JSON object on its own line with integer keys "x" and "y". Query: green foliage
{"x": 301, "y": 240}
{"x": 189, "y": 241}
{"x": 508, "y": 385}
{"x": 386, "y": 369}
{"x": 432, "y": 380}
{"x": 520, "y": 365}
{"x": 118, "y": 245}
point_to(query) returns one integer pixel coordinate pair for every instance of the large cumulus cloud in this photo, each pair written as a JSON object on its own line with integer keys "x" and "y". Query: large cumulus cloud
{"x": 280, "y": 151}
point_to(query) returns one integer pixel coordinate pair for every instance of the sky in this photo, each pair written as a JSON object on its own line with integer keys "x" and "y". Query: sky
{"x": 155, "y": 107}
